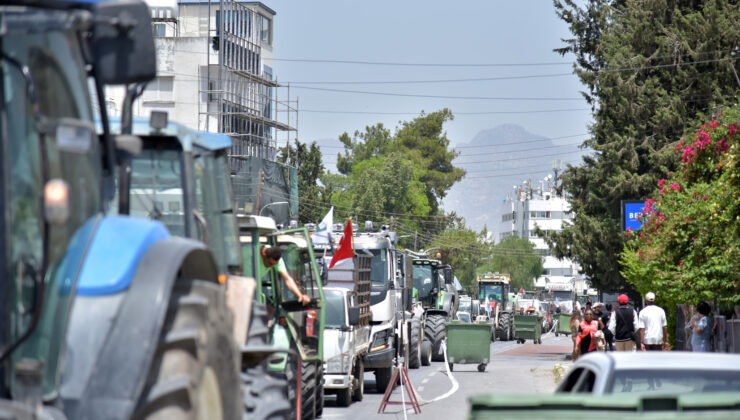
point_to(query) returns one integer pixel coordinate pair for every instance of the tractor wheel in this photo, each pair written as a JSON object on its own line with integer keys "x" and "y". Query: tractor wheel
{"x": 383, "y": 378}
{"x": 309, "y": 390}
{"x": 415, "y": 344}
{"x": 359, "y": 388}
{"x": 195, "y": 370}
{"x": 319, "y": 389}
{"x": 426, "y": 353}
{"x": 435, "y": 333}
{"x": 506, "y": 330}
{"x": 265, "y": 396}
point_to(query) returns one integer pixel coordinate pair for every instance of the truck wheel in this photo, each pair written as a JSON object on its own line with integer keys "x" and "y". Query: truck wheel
{"x": 435, "y": 333}
{"x": 426, "y": 353}
{"x": 195, "y": 370}
{"x": 344, "y": 397}
{"x": 359, "y": 388}
{"x": 265, "y": 396}
{"x": 415, "y": 344}
{"x": 506, "y": 330}
{"x": 383, "y": 378}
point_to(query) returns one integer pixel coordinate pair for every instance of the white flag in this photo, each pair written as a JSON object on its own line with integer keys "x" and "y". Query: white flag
{"x": 323, "y": 236}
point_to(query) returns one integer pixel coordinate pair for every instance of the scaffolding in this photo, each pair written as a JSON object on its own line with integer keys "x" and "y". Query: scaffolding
{"x": 243, "y": 101}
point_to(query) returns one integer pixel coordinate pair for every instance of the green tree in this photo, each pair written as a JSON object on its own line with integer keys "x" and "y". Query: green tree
{"x": 688, "y": 248}
{"x": 675, "y": 68}
{"x": 463, "y": 249}
{"x": 421, "y": 141}
{"x": 313, "y": 201}
{"x": 516, "y": 257}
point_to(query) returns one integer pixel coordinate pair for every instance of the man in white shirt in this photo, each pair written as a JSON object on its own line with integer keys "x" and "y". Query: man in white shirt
{"x": 653, "y": 326}
{"x": 623, "y": 325}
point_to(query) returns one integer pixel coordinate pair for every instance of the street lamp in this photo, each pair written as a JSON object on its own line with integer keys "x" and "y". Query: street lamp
{"x": 272, "y": 204}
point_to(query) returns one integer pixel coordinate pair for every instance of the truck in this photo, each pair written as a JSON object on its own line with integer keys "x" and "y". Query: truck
{"x": 347, "y": 328}
{"x": 89, "y": 296}
{"x": 295, "y": 332}
{"x": 496, "y": 300}
{"x": 437, "y": 300}
{"x": 390, "y": 302}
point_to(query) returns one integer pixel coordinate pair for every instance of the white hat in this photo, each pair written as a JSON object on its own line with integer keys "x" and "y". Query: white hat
{"x": 650, "y": 296}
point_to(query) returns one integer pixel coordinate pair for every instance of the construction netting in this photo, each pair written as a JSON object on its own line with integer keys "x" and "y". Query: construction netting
{"x": 266, "y": 188}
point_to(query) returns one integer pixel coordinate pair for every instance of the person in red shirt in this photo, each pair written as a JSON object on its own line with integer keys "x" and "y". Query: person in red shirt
{"x": 585, "y": 342}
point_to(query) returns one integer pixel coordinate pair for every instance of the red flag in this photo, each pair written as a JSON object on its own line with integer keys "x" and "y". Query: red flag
{"x": 344, "y": 250}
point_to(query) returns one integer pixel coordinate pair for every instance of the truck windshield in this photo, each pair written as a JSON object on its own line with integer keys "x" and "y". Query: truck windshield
{"x": 378, "y": 267}
{"x": 334, "y": 304}
{"x": 423, "y": 279}
{"x": 491, "y": 291}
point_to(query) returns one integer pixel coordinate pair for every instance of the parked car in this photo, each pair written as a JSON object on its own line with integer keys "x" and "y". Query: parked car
{"x": 653, "y": 372}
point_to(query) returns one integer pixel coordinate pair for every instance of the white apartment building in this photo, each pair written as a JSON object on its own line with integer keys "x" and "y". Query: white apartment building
{"x": 533, "y": 205}
{"x": 215, "y": 73}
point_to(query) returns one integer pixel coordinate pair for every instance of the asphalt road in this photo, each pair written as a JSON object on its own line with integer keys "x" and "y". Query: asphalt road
{"x": 514, "y": 368}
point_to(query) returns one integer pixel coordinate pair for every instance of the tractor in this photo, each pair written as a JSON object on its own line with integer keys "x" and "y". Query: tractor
{"x": 437, "y": 298}
{"x": 496, "y": 301}
{"x": 103, "y": 316}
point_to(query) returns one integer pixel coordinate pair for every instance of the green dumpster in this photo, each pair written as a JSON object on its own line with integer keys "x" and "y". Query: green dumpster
{"x": 528, "y": 327}
{"x": 563, "y": 324}
{"x": 468, "y": 343}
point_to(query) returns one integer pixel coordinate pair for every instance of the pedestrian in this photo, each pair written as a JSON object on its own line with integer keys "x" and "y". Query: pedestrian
{"x": 623, "y": 325}
{"x": 585, "y": 341}
{"x": 653, "y": 326}
{"x": 602, "y": 318}
{"x": 608, "y": 336}
{"x": 701, "y": 328}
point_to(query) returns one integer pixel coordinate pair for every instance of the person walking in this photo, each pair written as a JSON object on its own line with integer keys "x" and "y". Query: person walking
{"x": 608, "y": 336}
{"x": 623, "y": 325}
{"x": 585, "y": 342}
{"x": 653, "y": 326}
{"x": 700, "y": 329}
{"x": 603, "y": 320}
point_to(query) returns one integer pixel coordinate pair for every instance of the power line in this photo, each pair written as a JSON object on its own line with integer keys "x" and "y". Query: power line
{"x": 516, "y": 142}
{"x": 391, "y": 63}
{"x": 521, "y": 150}
{"x": 537, "y": 111}
{"x": 394, "y": 82}
{"x": 409, "y": 95}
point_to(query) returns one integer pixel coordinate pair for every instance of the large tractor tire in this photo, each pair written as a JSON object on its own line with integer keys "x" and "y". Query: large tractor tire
{"x": 415, "y": 339}
{"x": 319, "y": 389}
{"x": 507, "y": 330}
{"x": 426, "y": 353}
{"x": 435, "y": 332}
{"x": 307, "y": 382}
{"x": 265, "y": 396}
{"x": 195, "y": 370}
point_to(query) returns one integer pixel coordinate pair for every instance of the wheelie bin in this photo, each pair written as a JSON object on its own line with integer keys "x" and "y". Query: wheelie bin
{"x": 563, "y": 324}
{"x": 528, "y": 327}
{"x": 468, "y": 344}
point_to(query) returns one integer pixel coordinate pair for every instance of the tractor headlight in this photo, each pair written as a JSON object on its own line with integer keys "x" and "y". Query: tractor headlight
{"x": 338, "y": 363}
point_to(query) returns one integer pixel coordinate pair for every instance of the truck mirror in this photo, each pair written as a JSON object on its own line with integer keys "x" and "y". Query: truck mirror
{"x": 353, "y": 315}
{"x": 122, "y": 44}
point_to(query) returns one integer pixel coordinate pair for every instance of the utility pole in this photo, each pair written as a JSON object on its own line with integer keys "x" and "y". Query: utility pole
{"x": 416, "y": 237}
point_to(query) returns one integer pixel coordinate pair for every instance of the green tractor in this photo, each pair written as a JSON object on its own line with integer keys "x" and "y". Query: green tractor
{"x": 296, "y": 331}
{"x": 436, "y": 299}
{"x": 498, "y": 303}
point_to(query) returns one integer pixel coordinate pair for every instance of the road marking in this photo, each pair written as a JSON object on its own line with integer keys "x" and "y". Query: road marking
{"x": 425, "y": 380}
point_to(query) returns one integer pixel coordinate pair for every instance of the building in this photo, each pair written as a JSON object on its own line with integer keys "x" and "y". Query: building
{"x": 533, "y": 205}
{"x": 215, "y": 73}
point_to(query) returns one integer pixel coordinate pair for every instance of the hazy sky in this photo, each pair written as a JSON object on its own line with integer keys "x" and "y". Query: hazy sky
{"x": 428, "y": 32}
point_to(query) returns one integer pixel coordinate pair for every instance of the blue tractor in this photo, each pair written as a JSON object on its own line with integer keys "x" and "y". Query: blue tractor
{"x": 102, "y": 316}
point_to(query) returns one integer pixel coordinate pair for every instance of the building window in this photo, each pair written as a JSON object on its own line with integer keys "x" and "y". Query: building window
{"x": 266, "y": 34}
{"x": 160, "y": 90}
{"x": 539, "y": 214}
{"x": 159, "y": 29}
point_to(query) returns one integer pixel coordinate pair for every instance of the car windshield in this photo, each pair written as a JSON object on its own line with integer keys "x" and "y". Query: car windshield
{"x": 674, "y": 381}
{"x": 334, "y": 301}
{"x": 491, "y": 291}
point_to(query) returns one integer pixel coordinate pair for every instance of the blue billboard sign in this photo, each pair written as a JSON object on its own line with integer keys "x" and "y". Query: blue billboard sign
{"x": 631, "y": 212}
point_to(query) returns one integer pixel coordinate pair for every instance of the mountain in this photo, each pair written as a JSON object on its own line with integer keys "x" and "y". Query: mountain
{"x": 509, "y": 155}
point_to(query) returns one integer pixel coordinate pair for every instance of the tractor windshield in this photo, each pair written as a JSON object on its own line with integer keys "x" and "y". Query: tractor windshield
{"x": 156, "y": 188}
{"x": 423, "y": 279}
{"x": 42, "y": 43}
{"x": 494, "y": 292}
